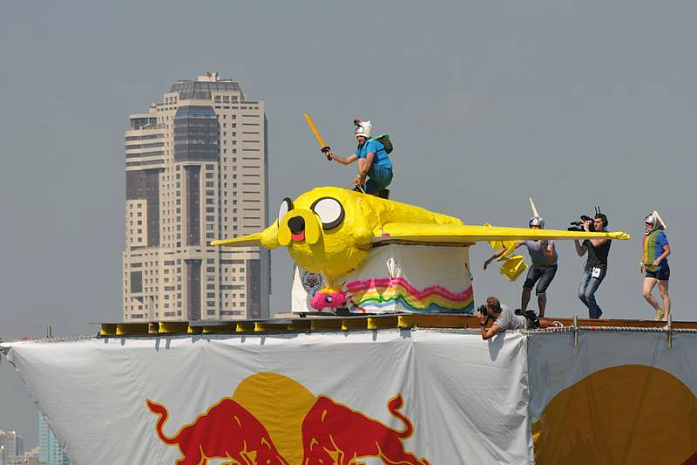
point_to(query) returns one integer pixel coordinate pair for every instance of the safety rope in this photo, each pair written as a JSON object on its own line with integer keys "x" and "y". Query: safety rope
{"x": 567, "y": 329}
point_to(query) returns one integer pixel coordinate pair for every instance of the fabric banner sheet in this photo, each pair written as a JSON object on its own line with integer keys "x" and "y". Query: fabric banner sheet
{"x": 388, "y": 396}
{"x": 618, "y": 397}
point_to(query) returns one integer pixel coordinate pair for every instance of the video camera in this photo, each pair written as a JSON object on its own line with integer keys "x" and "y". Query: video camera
{"x": 578, "y": 225}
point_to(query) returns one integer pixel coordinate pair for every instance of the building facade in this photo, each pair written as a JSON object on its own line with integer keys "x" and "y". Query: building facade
{"x": 11, "y": 447}
{"x": 196, "y": 170}
{"x": 50, "y": 450}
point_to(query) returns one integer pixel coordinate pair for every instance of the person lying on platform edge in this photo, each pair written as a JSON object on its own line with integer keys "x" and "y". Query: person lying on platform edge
{"x": 505, "y": 319}
{"x": 374, "y": 165}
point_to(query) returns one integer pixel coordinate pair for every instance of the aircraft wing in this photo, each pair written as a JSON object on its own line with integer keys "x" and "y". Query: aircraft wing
{"x": 242, "y": 241}
{"x": 466, "y": 234}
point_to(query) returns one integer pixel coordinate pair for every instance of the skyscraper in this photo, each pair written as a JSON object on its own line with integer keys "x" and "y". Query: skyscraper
{"x": 196, "y": 170}
{"x": 11, "y": 447}
{"x": 50, "y": 450}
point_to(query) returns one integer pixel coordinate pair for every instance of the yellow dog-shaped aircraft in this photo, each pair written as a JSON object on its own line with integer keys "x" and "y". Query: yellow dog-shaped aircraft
{"x": 332, "y": 231}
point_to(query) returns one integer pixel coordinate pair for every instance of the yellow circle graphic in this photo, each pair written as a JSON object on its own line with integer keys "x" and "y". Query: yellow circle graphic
{"x": 280, "y": 404}
{"x": 631, "y": 414}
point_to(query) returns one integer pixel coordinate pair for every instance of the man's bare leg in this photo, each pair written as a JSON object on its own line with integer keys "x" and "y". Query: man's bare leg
{"x": 663, "y": 290}
{"x": 525, "y": 299}
{"x": 545, "y": 323}
{"x": 362, "y": 162}
{"x": 542, "y": 303}
{"x": 649, "y": 284}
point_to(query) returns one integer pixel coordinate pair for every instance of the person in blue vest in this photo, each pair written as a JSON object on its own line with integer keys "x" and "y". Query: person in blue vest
{"x": 374, "y": 165}
{"x": 654, "y": 263}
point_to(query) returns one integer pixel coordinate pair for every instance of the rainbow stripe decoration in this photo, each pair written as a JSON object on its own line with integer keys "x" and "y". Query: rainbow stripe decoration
{"x": 391, "y": 291}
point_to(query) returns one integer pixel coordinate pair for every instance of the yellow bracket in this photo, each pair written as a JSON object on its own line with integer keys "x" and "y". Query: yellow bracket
{"x": 433, "y": 321}
{"x": 381, "y": 322}
{"x": 354, "y": 323}
{"x": 173, "y": 327}
{"x": 325, "y": 324}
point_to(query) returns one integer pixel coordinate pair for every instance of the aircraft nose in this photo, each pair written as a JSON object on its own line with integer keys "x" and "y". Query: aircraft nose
{"x": 296, "y": 224}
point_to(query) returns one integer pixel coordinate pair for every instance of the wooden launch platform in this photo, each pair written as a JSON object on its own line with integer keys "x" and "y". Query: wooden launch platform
{"x": 295, "y": 324}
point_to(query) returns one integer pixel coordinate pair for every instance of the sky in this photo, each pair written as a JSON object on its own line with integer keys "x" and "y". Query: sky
{"x": 573, "y": 103}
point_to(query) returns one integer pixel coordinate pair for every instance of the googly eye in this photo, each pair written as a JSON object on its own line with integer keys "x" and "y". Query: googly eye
{"x": 286, "y": 206}
{"x": 330, "y": 212}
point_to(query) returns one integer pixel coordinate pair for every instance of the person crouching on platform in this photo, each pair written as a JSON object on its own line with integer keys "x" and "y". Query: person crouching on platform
{"x": 505, "y": 319}
{"x": 655, "y": 265}
{"x": 543, "y": 255}
{"x": 374, "y": 165}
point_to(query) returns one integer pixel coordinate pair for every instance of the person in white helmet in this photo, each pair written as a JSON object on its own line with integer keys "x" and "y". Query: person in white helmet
{"x": 543, "y": 255}
{"x": 374, "y": 165}
{"x": 654, "y": 263}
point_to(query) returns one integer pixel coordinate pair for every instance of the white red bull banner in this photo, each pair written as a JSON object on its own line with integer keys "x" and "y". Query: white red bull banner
{"x": 375, "y": 397}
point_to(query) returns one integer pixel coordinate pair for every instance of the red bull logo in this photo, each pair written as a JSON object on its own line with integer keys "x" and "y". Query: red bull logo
{"x": 336, "y": 434}
{"x": 225, "y": 431}
{"x": 309, "y": 430}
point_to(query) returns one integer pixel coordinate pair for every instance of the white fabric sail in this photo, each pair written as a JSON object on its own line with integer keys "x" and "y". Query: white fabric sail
{"x": 413, "y": 396}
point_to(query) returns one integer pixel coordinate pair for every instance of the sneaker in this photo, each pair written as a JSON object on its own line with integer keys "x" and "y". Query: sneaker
{"x": 558, "y": 324}
{"x": 660, "y": 314}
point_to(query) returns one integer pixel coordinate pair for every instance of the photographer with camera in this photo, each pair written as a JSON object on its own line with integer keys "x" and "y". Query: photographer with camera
{"x": 543, "y": 255}
{"x": 596, "y": 264}
{"x": 505, "y": 319}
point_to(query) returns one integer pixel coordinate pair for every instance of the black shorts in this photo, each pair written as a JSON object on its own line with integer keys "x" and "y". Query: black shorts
{"x": 662, "y": 274}
{"x": 543, "y": 273}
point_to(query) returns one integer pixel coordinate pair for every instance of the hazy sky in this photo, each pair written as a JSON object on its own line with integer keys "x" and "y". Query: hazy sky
{"x": 575, "y": 103}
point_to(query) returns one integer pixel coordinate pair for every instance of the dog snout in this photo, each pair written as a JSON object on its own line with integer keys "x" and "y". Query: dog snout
{"x": 296, "y": 224}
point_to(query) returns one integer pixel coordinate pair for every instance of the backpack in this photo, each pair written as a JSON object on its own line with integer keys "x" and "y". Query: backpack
{"x": 533, "y": 320}
{"x": 384, "y": 139}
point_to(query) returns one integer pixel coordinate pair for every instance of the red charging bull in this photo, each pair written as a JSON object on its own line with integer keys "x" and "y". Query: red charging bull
{"x": 226, "y": 431}
{"x": 335, "y": 434}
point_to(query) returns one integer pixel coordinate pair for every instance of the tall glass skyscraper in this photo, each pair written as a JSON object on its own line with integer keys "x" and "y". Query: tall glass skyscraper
{"x": 196, "y": 170}
{"x": 50, "y": 451}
